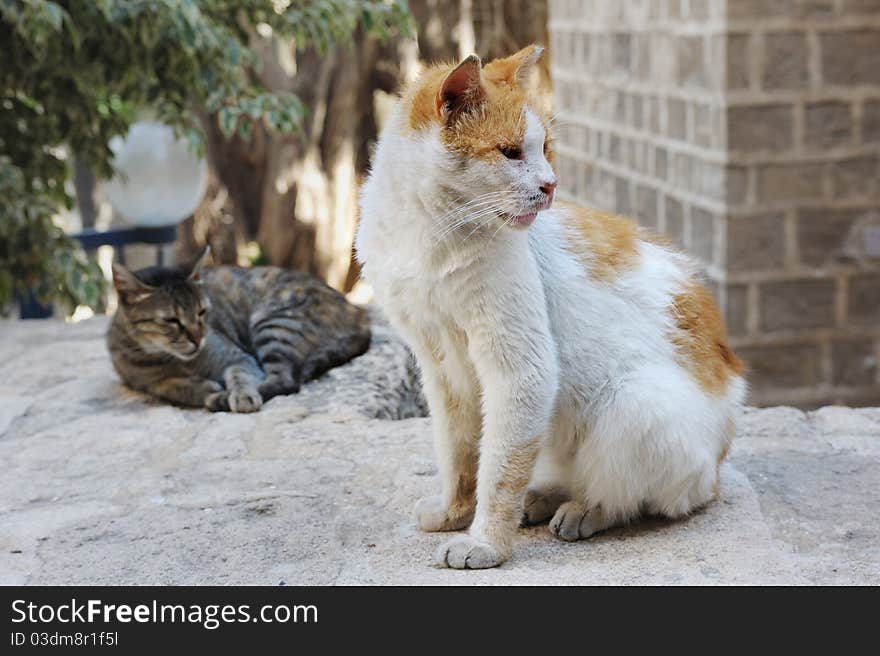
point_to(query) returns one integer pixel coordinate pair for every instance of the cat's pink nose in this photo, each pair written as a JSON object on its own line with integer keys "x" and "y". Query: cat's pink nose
{"x": 548, "y": 187}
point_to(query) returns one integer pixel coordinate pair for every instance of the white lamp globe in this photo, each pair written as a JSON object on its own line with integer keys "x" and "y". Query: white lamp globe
{"x": 159, "y": 180}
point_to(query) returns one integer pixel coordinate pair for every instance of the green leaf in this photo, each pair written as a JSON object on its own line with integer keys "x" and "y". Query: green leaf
{"x": 227, "y": 119}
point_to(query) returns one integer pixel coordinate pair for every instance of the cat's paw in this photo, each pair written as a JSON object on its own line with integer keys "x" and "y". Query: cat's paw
{"x": 218, "y": 401}
{"x": 433, "y": 515}
{"x": 466, "y": 552}
{"x": 540, "y": 505}
{"x": 245, "y": 400}
{"x": 573, "y": 521}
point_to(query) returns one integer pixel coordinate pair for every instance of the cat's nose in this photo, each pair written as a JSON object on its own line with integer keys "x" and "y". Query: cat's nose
{"x": 548, "y": 187}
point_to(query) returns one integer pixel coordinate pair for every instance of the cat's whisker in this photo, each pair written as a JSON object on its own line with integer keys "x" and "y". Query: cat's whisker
{"x": 470, "y": 218}
{"x": 494, "y": 234}
{"x": 465, "y": 212}
{"x": 483, "y": 224}
{"x": 474, "y": 203}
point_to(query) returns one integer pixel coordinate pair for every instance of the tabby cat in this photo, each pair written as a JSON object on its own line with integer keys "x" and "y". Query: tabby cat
{"x": 227, "y": 338}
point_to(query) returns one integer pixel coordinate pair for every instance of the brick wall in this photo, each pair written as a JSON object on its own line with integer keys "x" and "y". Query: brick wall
{"x": 748, "y": 131}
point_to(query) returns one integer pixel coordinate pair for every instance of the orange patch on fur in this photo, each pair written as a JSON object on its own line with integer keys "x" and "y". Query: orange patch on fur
{"x": 606, "y": 244}
{"x": 701, "y": 339}
{"x": 497, "y": 116}
{"x": 499, "y": 120}
{"x": 505, "y": 504}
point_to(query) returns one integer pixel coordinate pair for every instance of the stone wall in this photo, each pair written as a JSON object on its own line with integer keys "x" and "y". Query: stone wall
{"x": 748, "y": 131}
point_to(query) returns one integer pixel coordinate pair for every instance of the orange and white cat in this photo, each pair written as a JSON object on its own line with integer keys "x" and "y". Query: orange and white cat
{"x": 574, "y": 368}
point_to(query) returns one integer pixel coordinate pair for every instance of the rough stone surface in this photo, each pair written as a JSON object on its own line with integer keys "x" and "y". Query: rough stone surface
{"x": 101, "y": 485}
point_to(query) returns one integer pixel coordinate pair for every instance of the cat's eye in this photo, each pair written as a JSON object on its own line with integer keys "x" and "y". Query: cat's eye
{"x": 173, "y": 321}
{"x": 511, "y": 152}
{"x": 203, "y": 311}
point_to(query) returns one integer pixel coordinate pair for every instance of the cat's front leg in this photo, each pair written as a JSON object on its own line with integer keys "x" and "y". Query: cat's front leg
{"x": 456, "y": 425}
{"x": 455, "y": 421}
{"x": 519, "y": 385}
{"x": 242, "y": 392}
{"x": 185, "y": 391}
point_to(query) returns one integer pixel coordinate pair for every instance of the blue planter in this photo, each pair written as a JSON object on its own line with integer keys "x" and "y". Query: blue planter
{"x": 31, "y": 308}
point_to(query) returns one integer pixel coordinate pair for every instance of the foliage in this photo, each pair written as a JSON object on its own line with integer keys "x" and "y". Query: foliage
{"x": 35, "y": 254}
{"x": 74, "y": 73}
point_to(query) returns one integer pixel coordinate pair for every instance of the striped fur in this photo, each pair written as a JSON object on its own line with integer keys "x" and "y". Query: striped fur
{"x": 262, "y": 332}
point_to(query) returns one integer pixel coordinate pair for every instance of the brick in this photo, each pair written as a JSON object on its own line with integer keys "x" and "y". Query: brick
{"x": 821, "y": 235}
{"x": 704, "y": 125}
{"x": 699, "y": 10}
{"x": 637, "y": 111}
{"x": 711, "y": 180}
{"x": 797, "y": 304}
{"x": 642, "y": 53}
{"x": 739, "y": 61}
{"x": 690, "y": 61}
{"x": 716, "y": 62}
{"x": 584, "y": 180}
{"x": 615, "y": 149}
{"x": 646, "y": 206}
{"x": 703, "y": 234}
{"x": 816, "y": 9}
{"x": 621, "y": 52}
{"x": 828, "y": 124}
{"x": 854, "y": 362}
{"x": 621, "y": 104}
{"x": 644, "y": 160}
{"x": 871, "y": 122}
{"x": 762, "y": 127}
{"x": 682, "y": 170}
{"x": 787, "y": 182}
{"x": 861, "y": 7}
{"x": 851, "y": 57}
{"x": 737, "y": 9}
{"x": 755, "y": 242}
{"x": 736, "y": 315}
{"x": 864, "y": 299}
{"x": 676, "y": 118}
{"x": 674, "y": 220}
{"x": 652, "y": 118}
{"x": 785, "y": 61}
{"x": 582, "y": 138}
{"x": 737, "y": 184}
{"x": 656, "y": 10}
{"x": 855, "y": 178}
{"x": 782, "y": 366}
{"x": 633, "y": 153}
{"x": 661, "y": 163}
{"x": 621, "y": 196}
{"x": 564, "y": 167}
{"x": 662, "y": 59}
{"x": 583, "y": 46}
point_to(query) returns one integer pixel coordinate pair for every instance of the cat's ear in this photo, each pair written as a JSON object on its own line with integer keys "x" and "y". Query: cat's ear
{"x": 516, "y": 68}
{"x": 198, "y": 263}
{"x": 461, "y": 89}
{"x": 129, "y": 287}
